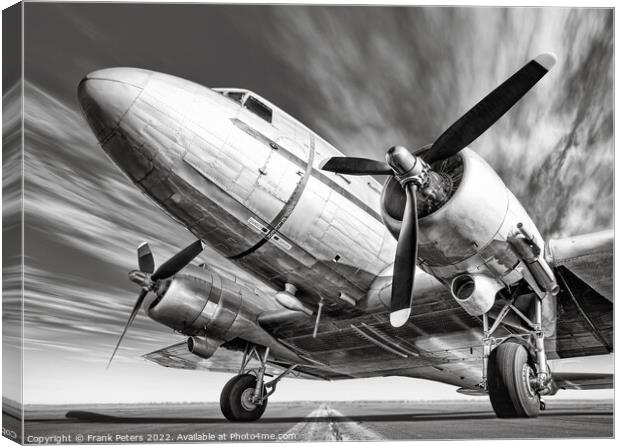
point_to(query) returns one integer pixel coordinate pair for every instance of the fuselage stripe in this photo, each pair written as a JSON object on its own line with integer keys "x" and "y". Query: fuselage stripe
{"x": 288, "y": 207}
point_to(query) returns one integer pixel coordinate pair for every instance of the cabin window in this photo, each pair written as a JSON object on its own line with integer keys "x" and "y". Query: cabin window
{"x": 258, "y": 108}
{"x": 236, "y": 96}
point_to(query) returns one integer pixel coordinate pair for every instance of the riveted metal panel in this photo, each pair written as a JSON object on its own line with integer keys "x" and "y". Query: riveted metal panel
{"x": 134, "y": 162}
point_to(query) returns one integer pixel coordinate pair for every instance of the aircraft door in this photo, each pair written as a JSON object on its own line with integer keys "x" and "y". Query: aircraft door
{"x": 284, "y": 170}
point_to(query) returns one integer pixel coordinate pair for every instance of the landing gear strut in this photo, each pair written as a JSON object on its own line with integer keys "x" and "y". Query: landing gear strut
{"x": 516, "y": 376}
{"x": 244, "y": 397}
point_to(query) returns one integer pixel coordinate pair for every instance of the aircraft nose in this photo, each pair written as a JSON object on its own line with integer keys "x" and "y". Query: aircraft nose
{"x": 106, "y": 96}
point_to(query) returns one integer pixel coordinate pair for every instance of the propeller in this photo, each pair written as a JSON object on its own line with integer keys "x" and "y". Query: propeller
{"x": 178, "y": 261}
{"x": 146, "y": 263}
{"x": 486, "y": 112}
{"x": 132, "y": 316}
{"x": 146, "y": 278}
{"x": 355, "y": 166}
{"x": 404, "y": 262}
{"x": 466, "y": 129}
{"x": 411, "y": 170}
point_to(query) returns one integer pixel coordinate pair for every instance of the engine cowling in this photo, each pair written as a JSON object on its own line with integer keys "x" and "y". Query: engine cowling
{"x": 196, "y": 301}
{"x": 467, "y": 233}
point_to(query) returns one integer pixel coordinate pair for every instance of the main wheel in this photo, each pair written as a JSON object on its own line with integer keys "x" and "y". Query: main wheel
{"x": 511, "y": 382}
{"x": 236, "y": 399}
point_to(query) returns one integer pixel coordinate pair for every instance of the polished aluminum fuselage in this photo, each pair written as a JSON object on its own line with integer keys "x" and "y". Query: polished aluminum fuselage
{"x": 253, "y": 191}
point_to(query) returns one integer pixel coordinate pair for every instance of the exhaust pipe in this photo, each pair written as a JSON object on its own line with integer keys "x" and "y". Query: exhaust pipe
{"x": 475, "y": 292}
{"x": 202, "y": 347}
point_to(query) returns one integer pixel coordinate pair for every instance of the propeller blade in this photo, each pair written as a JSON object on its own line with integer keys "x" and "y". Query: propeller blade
{"x": 178, "y": 261}
{"x": 355, "y": 166}
{"x": 484, "y": 114}
{"x": 132, "y": 316}
{"x": 404, "y": 264}
{"x": 146, "y": 263}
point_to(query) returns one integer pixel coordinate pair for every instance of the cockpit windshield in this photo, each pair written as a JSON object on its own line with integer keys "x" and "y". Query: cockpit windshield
{"x": 236, "y": 96}
{"x": 249, "y": 101}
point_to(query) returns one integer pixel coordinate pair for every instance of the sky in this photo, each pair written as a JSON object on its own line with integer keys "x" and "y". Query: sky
{"x": 365, "y": 78}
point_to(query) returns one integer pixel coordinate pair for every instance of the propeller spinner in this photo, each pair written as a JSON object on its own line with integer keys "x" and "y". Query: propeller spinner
{"x": 412, "y": 171}
{"x": 146, "y": 278}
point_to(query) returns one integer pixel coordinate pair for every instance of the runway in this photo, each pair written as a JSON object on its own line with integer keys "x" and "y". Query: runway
{"x": 312, "y": 421}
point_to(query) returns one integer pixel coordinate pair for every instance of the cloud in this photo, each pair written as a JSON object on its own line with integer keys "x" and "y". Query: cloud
{"x": 403, "y": 75}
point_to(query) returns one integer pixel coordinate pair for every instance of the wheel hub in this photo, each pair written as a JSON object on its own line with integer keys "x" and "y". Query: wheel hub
{"x": 529, "y": 379}
{"x": 247, "y": 399}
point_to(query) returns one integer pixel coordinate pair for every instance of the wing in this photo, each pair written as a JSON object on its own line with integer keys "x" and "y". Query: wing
{"x": 589, "y": 257}
{"x": 225, "y": 361}
{"x": 584, "y": 267}
{"x": 443, "y": 342}
{"x": 584, "y": 381}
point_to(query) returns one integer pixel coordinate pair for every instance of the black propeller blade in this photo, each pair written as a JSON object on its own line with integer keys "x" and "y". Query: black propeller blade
{"x": 466, "y": 129}
{"x": 355, "y": 166}
{"x": 404, "y": 263}
{"x": 146, "y": 265}
{"x": 484, "y": 114}
{"x": 178, "y": 261}
{"x": 132, "y": 316}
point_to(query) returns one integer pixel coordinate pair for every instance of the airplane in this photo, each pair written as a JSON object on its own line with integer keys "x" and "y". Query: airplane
{"x": 439, "y": 273}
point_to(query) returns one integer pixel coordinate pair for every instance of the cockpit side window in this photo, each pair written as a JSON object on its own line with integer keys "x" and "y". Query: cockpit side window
{"x": 257, "y": 107}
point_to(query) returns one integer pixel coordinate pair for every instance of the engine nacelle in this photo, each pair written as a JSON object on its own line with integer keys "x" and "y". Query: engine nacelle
{"x": 203, "y": 347}
{"x": 196, "y": 301}
{"x": 208, "y": 308}
{"x": 467, "y": 233}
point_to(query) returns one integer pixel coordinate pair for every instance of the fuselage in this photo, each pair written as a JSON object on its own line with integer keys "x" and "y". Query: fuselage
{"x": 243, "y": 176}
{"x": 247, "y": 184}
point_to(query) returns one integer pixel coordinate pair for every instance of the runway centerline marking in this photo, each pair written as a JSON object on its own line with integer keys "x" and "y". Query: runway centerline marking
{"x": 327, "y": 424}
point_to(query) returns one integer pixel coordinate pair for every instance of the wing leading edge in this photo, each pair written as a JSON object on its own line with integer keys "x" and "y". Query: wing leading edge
{"x": 584, "y": 381}
{"x": 589, "y": 257}
{"x": 225, "y": 361}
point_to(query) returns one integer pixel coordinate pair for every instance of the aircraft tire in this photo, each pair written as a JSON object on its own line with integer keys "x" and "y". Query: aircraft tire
{"x": 234, "y": 399}
{"x": 508, "y": 378}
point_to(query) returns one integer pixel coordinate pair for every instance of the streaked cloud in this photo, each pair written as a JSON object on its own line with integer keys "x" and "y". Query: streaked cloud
{"x": 403, "y": 75}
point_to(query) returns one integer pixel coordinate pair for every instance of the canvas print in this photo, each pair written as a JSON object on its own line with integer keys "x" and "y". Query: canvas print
{"x": 306, "y": 223}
